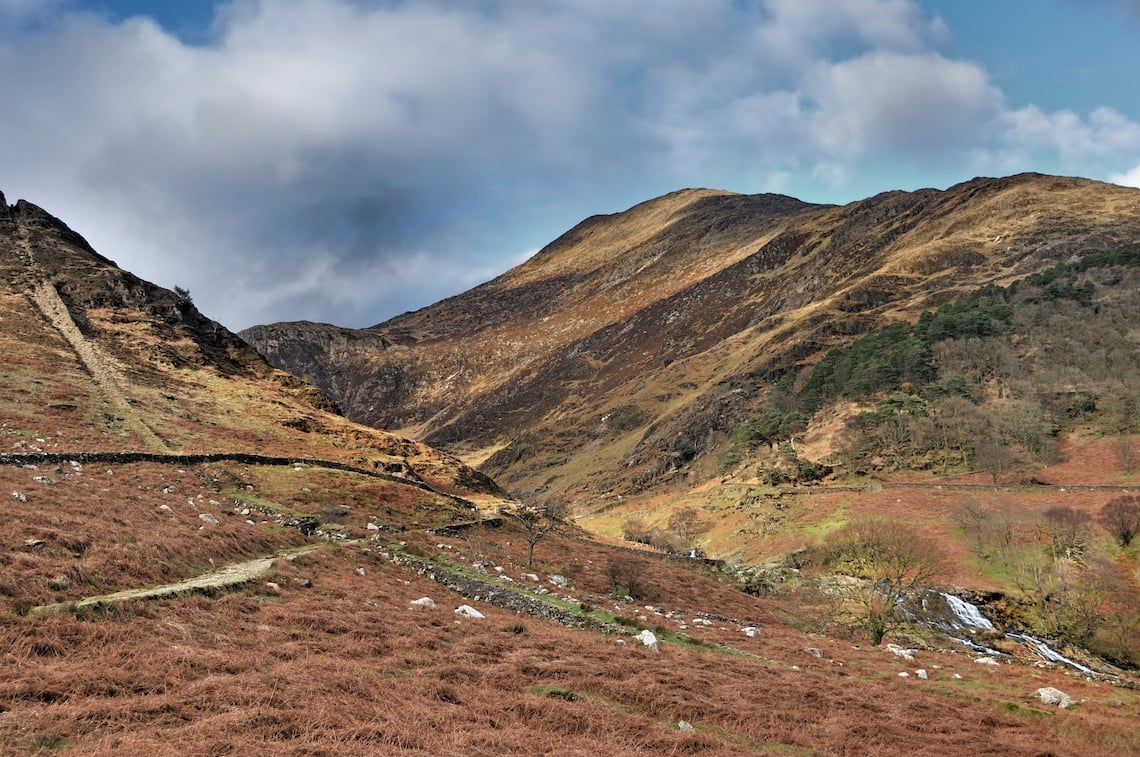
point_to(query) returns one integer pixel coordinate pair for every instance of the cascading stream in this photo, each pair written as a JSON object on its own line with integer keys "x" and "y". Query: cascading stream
{"x": 970, "y": 617}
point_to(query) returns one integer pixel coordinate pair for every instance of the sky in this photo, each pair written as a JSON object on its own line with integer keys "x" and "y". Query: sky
{"x": 345, "y": 161}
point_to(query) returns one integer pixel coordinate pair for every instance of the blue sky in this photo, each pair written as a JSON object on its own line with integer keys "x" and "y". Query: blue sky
{"x": 347, "y": 160}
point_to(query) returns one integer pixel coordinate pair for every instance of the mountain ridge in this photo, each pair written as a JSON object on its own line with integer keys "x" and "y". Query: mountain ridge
{"x": 672, "y": 317}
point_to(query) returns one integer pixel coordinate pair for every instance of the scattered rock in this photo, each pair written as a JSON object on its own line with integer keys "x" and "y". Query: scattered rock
{"x": 921, "y": 674}
{"x": 986, "y": 661}
{"x": 562, "y": 582}
{"x": 62, "y": 582}
{"x": 1050, "y": 695}
{"x": 814, "y": 652}
{"x": 304, "y": 583}
{"x": 895, "y": 649}
{"x": 272, "y": 586}
{"x": 685, "y": 725}
{"x": 751, "y": 631}
{"x": 35, "y": 543}
{"x": 207, "y": 518}
{"x": 426, "y": 602}
{"x": 360, "y": 571}
{"x": 468, "y": 611}
{"x": 19, "y": 496}
{"x": 904, "y": 674}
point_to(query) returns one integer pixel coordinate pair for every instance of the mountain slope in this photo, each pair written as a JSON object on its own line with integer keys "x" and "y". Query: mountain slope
{"x": 198, "y": 557}
{"x": 99, "y": 360}
{"x": 581, "y": 371}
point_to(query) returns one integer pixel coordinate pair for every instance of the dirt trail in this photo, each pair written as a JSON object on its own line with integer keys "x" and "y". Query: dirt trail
{"x": 231, "y": 575}
{"x": 101, "y": 368}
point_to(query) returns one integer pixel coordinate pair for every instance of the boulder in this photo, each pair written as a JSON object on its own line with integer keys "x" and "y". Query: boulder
{"x": 647, "y": 638}
{"x": 468, "y": 611}
{"x": 425, "y": 602}
{"x": 562, "y": 582}
{"x": 1050, "y": 695}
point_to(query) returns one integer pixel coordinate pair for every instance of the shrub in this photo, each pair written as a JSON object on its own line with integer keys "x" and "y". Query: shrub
{"x": 1121, "y": 516}
{"x": 625, "y": 576}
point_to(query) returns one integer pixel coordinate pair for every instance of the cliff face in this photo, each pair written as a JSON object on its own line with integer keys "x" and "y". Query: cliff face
{"x": 575, "y": 372}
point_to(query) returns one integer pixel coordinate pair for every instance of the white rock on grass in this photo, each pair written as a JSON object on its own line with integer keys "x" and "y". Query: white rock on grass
{"x": 922, "y": 674}
{"x": 986, "y": 661}
{"x": 468, "y": 611}
{"x": 751, "y": 631}
{"x": 895, "y": 649}
{"x": 425, "y": 602}
{"x": 647, "y": 638}
{"x": 1050, "y": 695}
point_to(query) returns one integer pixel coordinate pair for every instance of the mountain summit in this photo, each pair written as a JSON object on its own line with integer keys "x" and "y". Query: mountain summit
{"x": 580, "y": 371}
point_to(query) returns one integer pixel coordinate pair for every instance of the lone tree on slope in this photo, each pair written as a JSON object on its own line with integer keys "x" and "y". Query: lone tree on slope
{"x": 538, "y": 522}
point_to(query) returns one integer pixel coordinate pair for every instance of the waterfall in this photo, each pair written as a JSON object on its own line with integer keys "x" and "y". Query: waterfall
{"x": 969, "y": 615}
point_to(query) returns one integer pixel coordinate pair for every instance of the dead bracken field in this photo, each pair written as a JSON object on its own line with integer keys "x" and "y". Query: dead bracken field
{"x": 327, "y": 654}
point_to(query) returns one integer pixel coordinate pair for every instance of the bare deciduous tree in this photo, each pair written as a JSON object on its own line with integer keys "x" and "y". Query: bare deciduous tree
{"x": 1068, "y": 531}
{"x": 686, "y": 523}
{"x": 538, "y": 522}
{"x": 890, "y": 562}
{"x": 1121, "y": 516}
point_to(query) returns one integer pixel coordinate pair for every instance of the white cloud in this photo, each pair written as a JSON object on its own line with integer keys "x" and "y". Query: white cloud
{"x": 342, "y": 161}
{"x": 1128, "y": 178}
{"x": 901, "y": 103}
{"x": 1074, "y": 139}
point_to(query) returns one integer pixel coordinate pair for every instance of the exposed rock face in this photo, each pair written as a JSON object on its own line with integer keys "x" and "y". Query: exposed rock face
{"x": 662, "y": 326}
{"x": 34, "y": 245}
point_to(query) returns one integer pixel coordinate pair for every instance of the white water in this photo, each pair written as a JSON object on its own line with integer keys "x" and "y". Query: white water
{"x": 971, "y": 618}
{"x": 968, "y": 614}
{"x": 1044, "y": 650}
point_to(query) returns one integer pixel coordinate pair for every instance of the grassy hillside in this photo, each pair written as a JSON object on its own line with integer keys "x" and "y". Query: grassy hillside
{"x": 142, "y": 447}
